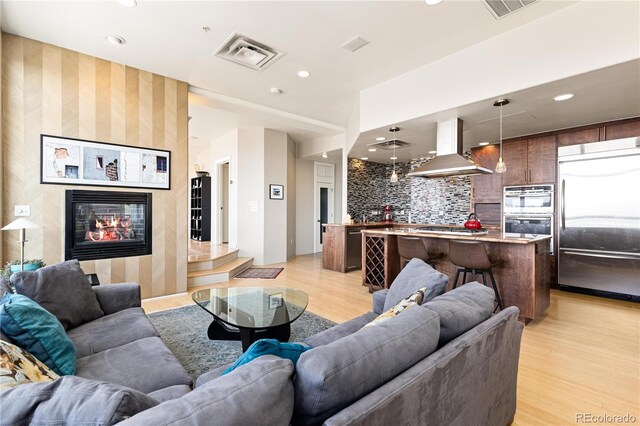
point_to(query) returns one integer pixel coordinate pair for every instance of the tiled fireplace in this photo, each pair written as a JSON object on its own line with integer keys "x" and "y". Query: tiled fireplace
{"x": 107, "y": 224}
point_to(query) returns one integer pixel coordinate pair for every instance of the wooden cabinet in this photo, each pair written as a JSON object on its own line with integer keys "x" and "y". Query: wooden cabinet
{"x": 342, "y": 246}
{"x": 201, "y": 208}
{"x": 514, "y": 154}
{"x": 626, "y": 129}
{"x": 530, "y": 161}
{"x": 486, "y": 190}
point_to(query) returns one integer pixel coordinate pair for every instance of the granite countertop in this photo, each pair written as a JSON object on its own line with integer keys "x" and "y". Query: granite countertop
{"x": 494, "y": 236}
{"x": 359, "y": 224}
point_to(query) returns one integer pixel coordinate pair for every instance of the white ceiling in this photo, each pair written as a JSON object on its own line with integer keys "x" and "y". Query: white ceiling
{"x": 166, "y": 37}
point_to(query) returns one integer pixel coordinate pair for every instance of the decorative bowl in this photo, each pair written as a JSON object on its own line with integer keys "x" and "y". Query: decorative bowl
{"x": 202, "y": 173}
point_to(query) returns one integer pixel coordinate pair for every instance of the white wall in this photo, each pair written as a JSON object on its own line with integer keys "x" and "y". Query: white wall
{"x": 583, "y": 37}
{"x": 291, "y": 197}
{"x": 251, "y": 190}
{"x": 304, "y": 207}
{"x": 275, "y": 211}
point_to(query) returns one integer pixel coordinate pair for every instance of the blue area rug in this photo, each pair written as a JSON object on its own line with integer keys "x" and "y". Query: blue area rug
{"x": 184, "y": 331}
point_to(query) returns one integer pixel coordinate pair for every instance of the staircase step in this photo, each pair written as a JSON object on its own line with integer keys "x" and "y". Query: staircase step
{"x": 208, "y": 264}
{"x": 220, "y": 273}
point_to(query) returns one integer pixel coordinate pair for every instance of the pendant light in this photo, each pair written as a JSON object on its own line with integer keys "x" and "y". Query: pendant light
{"x": 394, "y": 175}
{"x": 501, "y": 167}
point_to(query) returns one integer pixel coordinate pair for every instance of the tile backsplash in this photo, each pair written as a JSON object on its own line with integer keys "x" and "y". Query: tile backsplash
{"x": 440, "y": 200}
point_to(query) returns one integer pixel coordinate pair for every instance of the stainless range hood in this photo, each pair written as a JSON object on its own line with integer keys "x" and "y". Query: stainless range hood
{"x": 449, "y": 160}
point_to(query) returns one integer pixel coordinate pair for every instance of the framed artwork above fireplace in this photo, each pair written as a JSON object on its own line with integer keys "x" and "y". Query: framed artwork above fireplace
{"x": 107, "y": 224}
{"x": 70, "y": 161}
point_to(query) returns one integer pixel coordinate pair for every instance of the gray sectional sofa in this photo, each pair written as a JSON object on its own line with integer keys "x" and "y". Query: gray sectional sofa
{"x": 447, "y": 362}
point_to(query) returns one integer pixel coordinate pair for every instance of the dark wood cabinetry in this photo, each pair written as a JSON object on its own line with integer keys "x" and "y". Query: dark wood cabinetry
{"x": 530, "y": 161}
{"x": 201, "y": 208}
{"x": 486, "y": 190}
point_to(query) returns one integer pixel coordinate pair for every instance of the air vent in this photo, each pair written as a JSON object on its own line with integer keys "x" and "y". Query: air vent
{"x": 354, "y": 44}
{"x": 501, "y": 8}
{"x": 247, "y": 52}
{"x": 397, "y": 144}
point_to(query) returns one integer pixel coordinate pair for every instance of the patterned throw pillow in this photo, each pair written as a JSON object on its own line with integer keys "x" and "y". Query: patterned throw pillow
{"x": 18, "y": 366}
{"x": 414, "y": 299}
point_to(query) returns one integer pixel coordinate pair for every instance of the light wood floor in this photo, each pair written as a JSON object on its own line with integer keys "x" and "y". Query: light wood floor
{"x": 582, "y": 357}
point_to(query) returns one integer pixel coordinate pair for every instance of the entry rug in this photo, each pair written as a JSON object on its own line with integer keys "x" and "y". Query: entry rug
{"x": 263, "y": 273}
{"x": 184, "y": 331}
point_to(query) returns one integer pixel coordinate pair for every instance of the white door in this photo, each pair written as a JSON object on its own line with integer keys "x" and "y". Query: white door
{"x": 324, "y": 211}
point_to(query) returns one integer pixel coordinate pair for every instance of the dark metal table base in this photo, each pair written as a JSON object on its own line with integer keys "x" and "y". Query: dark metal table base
{"x": 220, "y": 331}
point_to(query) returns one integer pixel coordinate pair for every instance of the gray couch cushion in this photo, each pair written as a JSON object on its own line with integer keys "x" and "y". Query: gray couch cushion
{"x": 172, "y": 392}
{"x": 117, "y": 297}
{"x": 415, "y": 275}
{"x": 330, "y": 377}
{"x": 61, "y": 289}
{"x": 145, "y": 365}
{"x": 461, "y": 309}
{"x": 71, "y": 400}
{"x": 111, "y": 331}
{"x": 257, "y": 393}
{"x": 341, "y": 330}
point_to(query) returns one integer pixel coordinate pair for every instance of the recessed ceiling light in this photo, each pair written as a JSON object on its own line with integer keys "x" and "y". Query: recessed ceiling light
{"x": 275, "y": 91}
{"x": 364, "y": 158}
{"x": 324, "y": 155}
{"x": 206, "y": 28}
{"x": 393, "y": 158}
{"x": 563, "y": 97}
{"x": 380, "y": 138}
{"x": 303, "y": 74}
{"x": 115, "y": 39}
{"x": 432, "y": 2}
{"x": 372, "y": 150}
{"x": 432, "y": 152}
{"x": 128, "y": 3}
{"x": 483, "y": 143}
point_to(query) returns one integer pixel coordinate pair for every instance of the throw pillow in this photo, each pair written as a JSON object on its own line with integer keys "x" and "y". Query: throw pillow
{"x": 261, "y": 347}
{"x": 72, "y": 400}
{"x": 461, "y": 309}
{"x": 31, "y": 327}
{"x": 18, "y": 366}
{"x": 415, "y": 275}
{"x": 61, "y": 289}
{"x": 413, "y": 300}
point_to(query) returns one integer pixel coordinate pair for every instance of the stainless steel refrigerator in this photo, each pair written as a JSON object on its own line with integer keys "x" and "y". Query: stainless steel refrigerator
{"x": 599, "y": 216}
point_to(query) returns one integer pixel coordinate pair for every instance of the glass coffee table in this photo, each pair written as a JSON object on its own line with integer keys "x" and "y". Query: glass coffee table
{"x": 251, "y": 313}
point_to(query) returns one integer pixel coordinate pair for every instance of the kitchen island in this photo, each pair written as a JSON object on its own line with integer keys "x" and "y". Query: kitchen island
{"x": 523, "y": 278}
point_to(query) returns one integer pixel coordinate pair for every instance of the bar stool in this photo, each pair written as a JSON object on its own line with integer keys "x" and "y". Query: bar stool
{"x": 471, "y": 256}
{"x": 410, "y": 247}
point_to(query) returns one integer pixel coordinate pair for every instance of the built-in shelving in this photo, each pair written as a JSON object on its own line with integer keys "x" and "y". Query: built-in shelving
{"x": 201, "y": 208}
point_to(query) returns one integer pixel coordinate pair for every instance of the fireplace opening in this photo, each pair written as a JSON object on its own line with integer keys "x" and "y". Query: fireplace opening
{"x": 107, "y": 224}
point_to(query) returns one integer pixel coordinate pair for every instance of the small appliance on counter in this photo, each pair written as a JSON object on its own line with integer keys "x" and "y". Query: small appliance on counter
{"x": 473, "y": 222}
{"x": 387, "y": 214}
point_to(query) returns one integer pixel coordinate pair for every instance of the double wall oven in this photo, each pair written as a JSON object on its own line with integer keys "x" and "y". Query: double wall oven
{"x": 528, "y": 211}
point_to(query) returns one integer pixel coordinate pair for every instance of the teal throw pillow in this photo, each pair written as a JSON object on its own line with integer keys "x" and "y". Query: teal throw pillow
{"x": 38, "y": 332}
{"x": 261, "y": 347}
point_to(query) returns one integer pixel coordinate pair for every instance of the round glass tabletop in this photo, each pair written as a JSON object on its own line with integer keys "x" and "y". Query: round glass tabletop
{"x": 253, "y": 307}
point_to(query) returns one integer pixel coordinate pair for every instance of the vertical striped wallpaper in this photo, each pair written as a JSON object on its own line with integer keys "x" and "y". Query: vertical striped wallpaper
{"x": 51, "y": 90}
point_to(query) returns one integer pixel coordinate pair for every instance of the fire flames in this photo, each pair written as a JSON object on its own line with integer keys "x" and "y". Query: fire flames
{"x": 110, "y": 229}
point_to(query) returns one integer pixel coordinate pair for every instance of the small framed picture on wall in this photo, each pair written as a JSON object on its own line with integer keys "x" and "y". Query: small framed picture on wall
{"x": 276, "y": 192}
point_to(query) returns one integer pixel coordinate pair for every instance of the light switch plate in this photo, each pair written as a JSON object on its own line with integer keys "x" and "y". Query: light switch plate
{"x": 22, "y": 210}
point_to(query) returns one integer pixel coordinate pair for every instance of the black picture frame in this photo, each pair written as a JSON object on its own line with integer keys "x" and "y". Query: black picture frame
{"x": 70, "y": 161}
{"x": 276, "y": 192}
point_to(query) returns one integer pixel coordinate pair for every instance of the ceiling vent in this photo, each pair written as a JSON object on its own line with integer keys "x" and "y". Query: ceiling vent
{"x": 397, "y": 144}
{"x": 247, "y": 52}
{"x": 501, "y": 8}
{"x": 354, "y": 44}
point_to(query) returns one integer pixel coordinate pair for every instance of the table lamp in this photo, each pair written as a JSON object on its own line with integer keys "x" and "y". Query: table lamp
{"x": 21, "y": 224}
